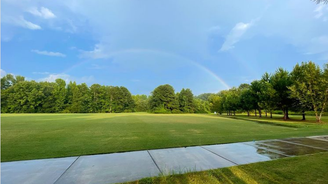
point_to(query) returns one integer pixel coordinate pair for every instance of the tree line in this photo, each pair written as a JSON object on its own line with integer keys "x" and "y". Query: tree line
{"x": 21, "y": 96}
{"x": 303, "y": 89}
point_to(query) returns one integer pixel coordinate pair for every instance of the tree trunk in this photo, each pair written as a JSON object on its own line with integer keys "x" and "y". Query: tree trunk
{"x": 266, "y": 113}
{"x": 270, "y": 114}
{"x": 287, "y": 115}
{"x": 322, "y": 110}
{"x": 234, "y": 113}
{"x": 260, "y": 113}
{"x": 255, "y": 113}
{"x": 227, "y": 113}
{"x": 303, "y": 114}
{"x": 247, "y": 113}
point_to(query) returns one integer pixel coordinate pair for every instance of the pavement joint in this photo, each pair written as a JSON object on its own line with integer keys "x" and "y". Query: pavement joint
{"x": 219, "y": 155}
{"x": 66, "y": 169}
{"x": 155, "y": 162}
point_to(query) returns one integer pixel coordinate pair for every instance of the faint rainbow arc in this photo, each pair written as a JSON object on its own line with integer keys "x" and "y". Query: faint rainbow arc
{"x": 207, "y": 70}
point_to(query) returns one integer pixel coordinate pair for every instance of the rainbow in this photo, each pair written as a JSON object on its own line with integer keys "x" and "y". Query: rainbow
{"x": 181, "y": 58}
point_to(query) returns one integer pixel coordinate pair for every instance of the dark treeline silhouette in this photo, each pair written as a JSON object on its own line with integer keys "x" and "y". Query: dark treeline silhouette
{"x": 303, "y": 89}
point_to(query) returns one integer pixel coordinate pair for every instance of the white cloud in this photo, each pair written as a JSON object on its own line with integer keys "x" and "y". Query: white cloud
{"x": 67, "y": 78}
{"x": 23, "y": 23}
{"x": 235, "y": 34}
{"x": 43, "y": 12}
{"x": 99, "y": 52}
{"x": 318, "y": 45}
{"x": 2, "y": 73}
{"x": 48, "y": 53}
{"x": 53, "y": 77}
{"x": 321, "y": 11}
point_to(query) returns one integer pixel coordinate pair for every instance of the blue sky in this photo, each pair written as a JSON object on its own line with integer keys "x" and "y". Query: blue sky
{"x": 206, "y": 46}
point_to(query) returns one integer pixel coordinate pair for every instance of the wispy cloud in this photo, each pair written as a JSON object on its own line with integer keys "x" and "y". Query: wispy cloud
{"x": 321, "y": 11}
{"x": 48, "y": 53}
{"x": 42, "y": 12}
{"x": 99, "y": 52}
{"x": 23, "y": 23}
{"x": 318, "y": 45}
{"x": 235, "y": 35}
{"x": 53, "y": 77}
{"x": 67, "y": 78}
{"x": 2, "y": 73}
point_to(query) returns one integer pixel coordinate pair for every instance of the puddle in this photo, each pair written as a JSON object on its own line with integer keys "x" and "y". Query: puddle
{"x": 241, "y": 153}
{"x": 287, "y": 148}
{"x": 309, "y": 142}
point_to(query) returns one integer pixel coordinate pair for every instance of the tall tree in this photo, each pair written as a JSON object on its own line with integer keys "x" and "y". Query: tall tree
{"x": 310, "y": 86}
{"x": 280, "y": 82}
{"x": 247, "y": 102}
{"x": 162, "y": 98}
{"x": 186, "y": 101}
{"x": 256, "y": 89}
{"x": 141, "y": 103}
{"x": 59, "y": 93}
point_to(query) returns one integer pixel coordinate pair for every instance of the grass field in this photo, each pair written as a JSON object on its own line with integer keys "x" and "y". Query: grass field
{"x": 34, "y": 136}
{"x": 303, "y": 169}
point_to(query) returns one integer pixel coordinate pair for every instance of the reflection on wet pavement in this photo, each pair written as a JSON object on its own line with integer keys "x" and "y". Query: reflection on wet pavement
{"x": 309, "y": 142}
{"x": 285, "y": 148}
{"x": 321, "y": 137}
{"x": 241, "y": 153}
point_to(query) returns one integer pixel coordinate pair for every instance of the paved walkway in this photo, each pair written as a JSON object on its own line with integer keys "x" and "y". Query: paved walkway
{"x": 130, "y": 166}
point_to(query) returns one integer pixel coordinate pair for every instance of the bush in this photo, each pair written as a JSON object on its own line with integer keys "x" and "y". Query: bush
{"x": 161, "y": 111}
{"x": 66, "y": 111}
{"x": 176, "y": 111}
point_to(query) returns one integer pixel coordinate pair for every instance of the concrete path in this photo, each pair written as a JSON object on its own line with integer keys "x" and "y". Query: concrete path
{"x": 130, "y": 166}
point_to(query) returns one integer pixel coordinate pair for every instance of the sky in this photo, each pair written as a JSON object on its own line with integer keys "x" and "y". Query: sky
{"x": 206, "y": 46}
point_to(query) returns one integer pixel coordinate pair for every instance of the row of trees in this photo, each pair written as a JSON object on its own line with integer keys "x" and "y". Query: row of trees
{"x": 164, "y": 100}
{"x": 20, "y": 96}
{"x": 303, "y": 89}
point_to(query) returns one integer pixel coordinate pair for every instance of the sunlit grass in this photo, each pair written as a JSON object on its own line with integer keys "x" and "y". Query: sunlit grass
{"x": 33, "y": 136}
{"x": 303, "y": 169}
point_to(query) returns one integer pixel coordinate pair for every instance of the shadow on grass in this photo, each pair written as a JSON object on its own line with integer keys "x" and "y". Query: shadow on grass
{"x": 265, "y": 122}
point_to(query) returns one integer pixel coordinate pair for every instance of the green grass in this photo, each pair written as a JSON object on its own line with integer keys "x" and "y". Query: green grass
{"x": 34, "y": 136}
{"x": 303, "y": 169}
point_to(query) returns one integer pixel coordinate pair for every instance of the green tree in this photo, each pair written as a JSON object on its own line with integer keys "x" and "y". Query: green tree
{"x": 215, "y": 103}
{"x": 141, "y": 103}
{"x": 162, "y": 99}
{"x": 310, "y": 86}
{"x": 10, "y": 80}
{"x": 280, "y": 82}
{"x": 201, "y": 106}
{"x": 267, "y": 95}
{"x": 246, "y": 100}
{"x": 59, "y": 93}
{"x": 204, "y": 96}
{"x": 186, "y": 101}
{"x": 256, "y": 89}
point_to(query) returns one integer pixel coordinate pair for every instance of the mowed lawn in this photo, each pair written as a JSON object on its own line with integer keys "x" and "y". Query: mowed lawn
{"x": 300, "y": 169}
{"x": 35, "y": 136}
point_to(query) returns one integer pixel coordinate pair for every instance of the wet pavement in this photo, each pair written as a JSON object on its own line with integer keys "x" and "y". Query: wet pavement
{"x": 129, "y": 166}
